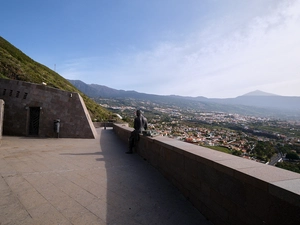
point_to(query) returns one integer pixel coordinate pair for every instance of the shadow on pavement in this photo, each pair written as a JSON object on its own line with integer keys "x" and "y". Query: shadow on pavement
{"x": 137, "y": 193}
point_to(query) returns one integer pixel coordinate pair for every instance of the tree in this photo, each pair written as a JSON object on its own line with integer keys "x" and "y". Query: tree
{"x": 237, "y": 153}
{"x": 295, "y": 167}
{"x": 264, "y": 150}
{"x": 292, "y": 156}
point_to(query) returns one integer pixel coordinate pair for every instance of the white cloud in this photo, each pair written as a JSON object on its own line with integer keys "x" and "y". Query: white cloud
{"x": 226, "y": 59}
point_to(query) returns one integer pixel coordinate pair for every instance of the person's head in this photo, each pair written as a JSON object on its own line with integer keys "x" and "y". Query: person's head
{"x": 138, "y": 112}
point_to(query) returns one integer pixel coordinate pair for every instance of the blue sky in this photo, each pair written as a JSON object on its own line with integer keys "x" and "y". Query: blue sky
{"x": 211, "y": 48}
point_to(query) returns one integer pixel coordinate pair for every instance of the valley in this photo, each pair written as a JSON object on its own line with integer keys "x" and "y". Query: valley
{"x": 255, "y": 138}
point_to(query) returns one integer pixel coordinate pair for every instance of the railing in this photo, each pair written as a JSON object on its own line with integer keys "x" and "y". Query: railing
{"x": 226, "y": 189}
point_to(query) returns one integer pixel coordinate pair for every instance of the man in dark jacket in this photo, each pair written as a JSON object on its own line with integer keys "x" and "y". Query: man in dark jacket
{"x": 140, "y": 124}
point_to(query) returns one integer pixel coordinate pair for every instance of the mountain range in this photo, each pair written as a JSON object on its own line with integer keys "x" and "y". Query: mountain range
{"x": 256, "y": 103}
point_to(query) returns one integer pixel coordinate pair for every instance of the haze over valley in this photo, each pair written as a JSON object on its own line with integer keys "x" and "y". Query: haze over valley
{"x": 256, "y": 103}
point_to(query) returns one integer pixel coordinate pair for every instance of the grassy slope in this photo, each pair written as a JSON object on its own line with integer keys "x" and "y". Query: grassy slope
{"x": 15, "y": 65}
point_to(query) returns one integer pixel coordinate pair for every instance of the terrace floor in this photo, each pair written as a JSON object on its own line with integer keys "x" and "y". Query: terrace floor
{"x": 85, "y": 181}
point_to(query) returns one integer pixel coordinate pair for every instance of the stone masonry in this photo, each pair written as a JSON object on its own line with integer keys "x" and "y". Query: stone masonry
{"x": 1, "y": 118}
{"x": 32, "y": 109}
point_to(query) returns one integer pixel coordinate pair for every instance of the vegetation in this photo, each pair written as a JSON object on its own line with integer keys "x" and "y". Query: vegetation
{"x": 284, "y": 148}
{"x": 292, "y": 156}
{"x": 219, "y": 148}
{"x": 295, "y": 167}
{"x": 14, "y": 64}
{"x": 275, "y": 127}
{"x": 264, "y": 150}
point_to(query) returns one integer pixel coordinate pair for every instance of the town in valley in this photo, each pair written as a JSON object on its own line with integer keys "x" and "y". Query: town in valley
{"x": 266, "y": 140}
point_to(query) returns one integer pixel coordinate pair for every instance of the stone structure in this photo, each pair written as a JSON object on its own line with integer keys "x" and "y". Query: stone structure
{"x": 1, "y": 117}
{"x": 33, "y": 110}
{"x": 226, "y": 189}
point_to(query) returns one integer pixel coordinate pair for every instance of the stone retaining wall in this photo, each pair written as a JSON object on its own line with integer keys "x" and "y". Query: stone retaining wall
{"x": 226, "y": 189}
{"x": 31, "y": 109}
{"x": 1, "y": 118}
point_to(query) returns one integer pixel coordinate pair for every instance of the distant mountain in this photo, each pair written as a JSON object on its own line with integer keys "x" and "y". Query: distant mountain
{"x": 265, "y": 100}
{"x": 101, "y": 91}
{"x": 259, "y": 93}
{"x": 256, "y": 103}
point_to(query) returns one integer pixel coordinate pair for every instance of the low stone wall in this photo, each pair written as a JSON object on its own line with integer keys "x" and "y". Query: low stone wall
{"x": 103, "y": 124}
{"x": 226, "y": 189}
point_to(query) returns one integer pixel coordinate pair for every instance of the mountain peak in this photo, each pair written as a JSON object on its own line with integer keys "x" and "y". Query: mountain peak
{"x": 259, "y": 93}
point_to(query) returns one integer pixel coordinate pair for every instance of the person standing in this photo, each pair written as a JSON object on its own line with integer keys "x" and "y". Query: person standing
{"x": 140, "y": 124}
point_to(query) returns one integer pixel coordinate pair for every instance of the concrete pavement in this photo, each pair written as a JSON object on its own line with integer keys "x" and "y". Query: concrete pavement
{"x": 85, "y": 181}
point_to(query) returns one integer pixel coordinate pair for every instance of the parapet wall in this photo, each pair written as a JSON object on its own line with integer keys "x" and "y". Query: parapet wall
{"x": 103, "y": 124}
{"x": 31, "y": 109}
{"x": 226, "y": 189}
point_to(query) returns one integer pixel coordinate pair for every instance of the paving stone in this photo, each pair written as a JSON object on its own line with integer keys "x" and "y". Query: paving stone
{"x": 85, "y": 181}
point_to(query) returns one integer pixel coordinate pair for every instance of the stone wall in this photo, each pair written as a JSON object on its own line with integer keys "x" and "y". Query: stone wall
{"x": 103, "y": 124}
{"x": 1, "y": 118}
{"x": 226, "y": 189}
{"x": 31, "y": 109}
{"x": 107, "y": 124}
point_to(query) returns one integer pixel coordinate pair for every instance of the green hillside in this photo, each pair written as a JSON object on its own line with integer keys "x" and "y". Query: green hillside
{"x": 14, "y": 64}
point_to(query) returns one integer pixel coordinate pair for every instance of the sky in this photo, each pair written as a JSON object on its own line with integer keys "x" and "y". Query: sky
{"x": 210, "y": 48}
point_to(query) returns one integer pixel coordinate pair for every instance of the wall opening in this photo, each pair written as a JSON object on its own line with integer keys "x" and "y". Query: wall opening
{"x": 34, "y": 120}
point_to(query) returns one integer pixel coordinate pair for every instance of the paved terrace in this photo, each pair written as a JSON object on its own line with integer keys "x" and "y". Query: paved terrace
{"x": 85, "y": 181}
